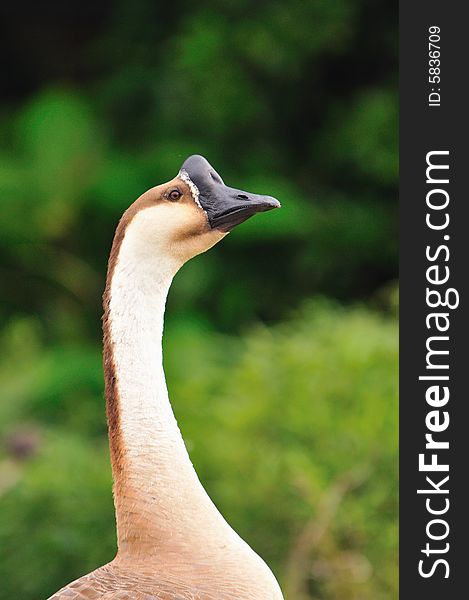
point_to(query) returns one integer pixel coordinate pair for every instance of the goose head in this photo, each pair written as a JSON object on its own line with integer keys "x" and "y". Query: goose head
{"x": 191, "y": 213}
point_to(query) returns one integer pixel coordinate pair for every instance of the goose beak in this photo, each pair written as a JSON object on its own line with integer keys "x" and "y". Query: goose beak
{"x": 226, "y": 207}
{"x": 232, "y": 207}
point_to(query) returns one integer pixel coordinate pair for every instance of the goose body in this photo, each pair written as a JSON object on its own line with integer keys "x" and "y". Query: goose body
{"x": 173, "y": 544}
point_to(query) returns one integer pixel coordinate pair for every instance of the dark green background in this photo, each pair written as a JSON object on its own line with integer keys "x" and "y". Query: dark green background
{"x": 280, "y": 342}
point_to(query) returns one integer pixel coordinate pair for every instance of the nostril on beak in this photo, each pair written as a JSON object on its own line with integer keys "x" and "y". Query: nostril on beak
{"x": 242, "y": 197}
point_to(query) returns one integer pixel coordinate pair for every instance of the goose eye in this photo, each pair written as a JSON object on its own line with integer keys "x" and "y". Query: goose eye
{"x": 174, "y": 195}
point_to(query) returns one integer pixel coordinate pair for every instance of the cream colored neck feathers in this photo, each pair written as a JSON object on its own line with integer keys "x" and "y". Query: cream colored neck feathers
{"x": 165, "y": 520}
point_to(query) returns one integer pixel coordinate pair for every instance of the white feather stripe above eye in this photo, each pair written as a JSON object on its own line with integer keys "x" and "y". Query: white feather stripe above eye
{"x": 193, "y": 188}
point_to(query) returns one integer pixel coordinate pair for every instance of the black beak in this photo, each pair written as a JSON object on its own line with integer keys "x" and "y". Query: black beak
{"x": 226, "y": 207}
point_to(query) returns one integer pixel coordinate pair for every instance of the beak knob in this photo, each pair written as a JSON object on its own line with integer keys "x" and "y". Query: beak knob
{"x": 226, "y": 207}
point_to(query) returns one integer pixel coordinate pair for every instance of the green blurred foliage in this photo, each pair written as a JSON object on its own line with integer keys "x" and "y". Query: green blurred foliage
{"x": 303, "y": 419}
{"x": 293, "y": 426}
{"x": 297, "y": 100}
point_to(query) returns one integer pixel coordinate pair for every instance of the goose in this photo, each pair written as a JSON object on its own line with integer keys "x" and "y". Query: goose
{"x": 173, "y": 543}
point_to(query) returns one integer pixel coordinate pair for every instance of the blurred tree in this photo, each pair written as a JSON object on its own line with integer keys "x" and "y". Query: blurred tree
{"x": 102, "y": 100}
{"x": 296, "y": 99}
